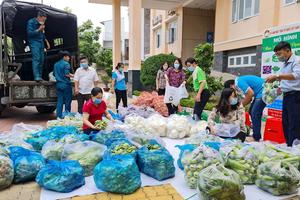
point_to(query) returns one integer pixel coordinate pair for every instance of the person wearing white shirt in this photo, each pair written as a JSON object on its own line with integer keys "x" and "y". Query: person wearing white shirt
{"x": 86, "y": 79}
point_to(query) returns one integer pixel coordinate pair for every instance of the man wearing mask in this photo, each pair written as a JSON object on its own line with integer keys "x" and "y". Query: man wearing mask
{"x": 250, "y": 88}
{"x": 289, "y": 78}
{"x": 37, "y": 40}
{"x": 200, "y": 87}
{"x": 86, "y": 79}
{"x": 62, "y": 73}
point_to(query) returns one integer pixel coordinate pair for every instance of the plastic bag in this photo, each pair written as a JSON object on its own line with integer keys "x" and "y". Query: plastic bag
{"x": 105, "y": 137}
{"x": 61, "y": 176}
{"x": 197, "y": 127}
{"x": 6, "y": 172}
{"x": 37, "y": 140}
{"x": 201, "y": 137}
{"x": 27, "y": 163}
{"x": 178, "y": 127}
{"x": 119, "y": 174}
{"x": 141, "y": 111}
{"x": 270, "y": 92}
{"x": 173, "y": 95}
{"x": 278, "y": 178}
{"x": 115, "y": 116}
{"x": 121, "y": 147}
{"x": 142, "y": 139}
{"x": 197, "y": 160}
{"x": 243, "y": 159}
{"x": 155, "y": 161}
{"x": 87, "y": 153}
{"x": 53, "y": 149}
{"x": 13, "y": 140}
{"x": 186, "y": 148}
{"x": 69, "y": 119}
{"x": 156, "y": 125}
{"x": 219, "y": 183}
{"x": 24, "y": 130}
{"x": 227, "y": 130}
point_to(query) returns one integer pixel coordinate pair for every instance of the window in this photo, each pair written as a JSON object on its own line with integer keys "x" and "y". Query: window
{"x": 172, "y": 30}
{"x": 243, "y": 9}
{"x": 158, "y": 38}
{"x": 288, "y": 2}
{"x": 246, "y": 60}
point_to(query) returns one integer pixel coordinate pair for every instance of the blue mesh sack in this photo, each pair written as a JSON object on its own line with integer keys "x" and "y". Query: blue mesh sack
{"x": 37, "y": 140}
{"x": 121, "y": 147}
{"x": 183, "y": 150}
{"x": 27, "y": 163}
{"x": 118, "y": 174}
{"x": 155, "y": 161}
{"x": 107, "y": 137}
{"x": 61, "y": 176}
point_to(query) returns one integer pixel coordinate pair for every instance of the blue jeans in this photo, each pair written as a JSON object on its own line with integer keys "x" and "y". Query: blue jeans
{"x": 64, "y": 97}
{"x": 37, "y": 51}
{"x": 256, "y": 110}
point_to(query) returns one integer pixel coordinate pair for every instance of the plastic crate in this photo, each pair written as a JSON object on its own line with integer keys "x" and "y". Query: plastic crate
{"x": 277, "y": 105}
{"x": 248, "y": 119}
{"x": 274, "y": 113}
{"x": 274, "y": 130}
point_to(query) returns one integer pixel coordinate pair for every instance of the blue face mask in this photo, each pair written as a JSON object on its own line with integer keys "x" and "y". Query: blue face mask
{"x": 233, "y": 101}
{"x": 176, "y": 65}
{"x": 191, "y": 69}
{"x": 84, "y": 65}
{"x": 97, "y": 101}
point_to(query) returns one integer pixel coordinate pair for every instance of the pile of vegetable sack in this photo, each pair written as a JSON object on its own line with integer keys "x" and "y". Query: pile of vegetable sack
{"x": 156, "y": 125}
{"x": 202, "y": 137}
{"x": 242, "y": 159}
{"x": 6, "y": 169}
{"x": 184, "y": 149}
{"x": 27, "y": 164}
{"x": 197, "y": 160}
{"x": 118, "y": 174}
{"x": 106, "y": 137}
{"x": 61, "y": 176}
{"x": 87, "y": 153}
{"x": 278, "y": 177}
{"x": 155, "y": 161}
{"x": 145, "y": 99}
{"x": 121, "y": 147}
{"x": 178, "y": 127}
{"x": 219, "y": 183}
{"x": 271, "y": 92}
{"x": 159, "y": 106}
{"x": 142, "y": 111}
{"x": 69, "y": 120}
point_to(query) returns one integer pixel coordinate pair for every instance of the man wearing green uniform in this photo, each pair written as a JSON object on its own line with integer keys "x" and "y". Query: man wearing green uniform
{"x": 200, "y": 86}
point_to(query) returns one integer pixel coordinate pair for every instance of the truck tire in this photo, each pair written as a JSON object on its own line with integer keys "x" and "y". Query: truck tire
{"x": 2, "y": 108}
{"x": 45, "y": 109}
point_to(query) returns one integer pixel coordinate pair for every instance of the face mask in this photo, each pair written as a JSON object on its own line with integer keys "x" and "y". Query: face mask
{"x": 191, "y": 69}
{"x": 281, "y": 59}
{"x": 121, "y": 70}
{"x": 233, "y": 101}
{"x": 97, "y": 101}
{"x": 84, "y": 65}
{"x": 176, "y": 65}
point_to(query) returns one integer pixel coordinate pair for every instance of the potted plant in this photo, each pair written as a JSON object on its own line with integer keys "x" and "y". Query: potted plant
{"x": 106, "y": 80}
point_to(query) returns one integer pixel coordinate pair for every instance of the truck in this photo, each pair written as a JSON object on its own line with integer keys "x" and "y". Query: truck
{"x": 17, "y": 87}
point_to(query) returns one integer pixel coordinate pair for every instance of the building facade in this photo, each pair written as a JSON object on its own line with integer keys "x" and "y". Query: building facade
{"x": 240, "y": 27}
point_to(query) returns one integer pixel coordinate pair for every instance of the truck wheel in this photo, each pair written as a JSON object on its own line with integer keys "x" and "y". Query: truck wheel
{"x": 2, "y": 108}
{"x": 45, "y": 109}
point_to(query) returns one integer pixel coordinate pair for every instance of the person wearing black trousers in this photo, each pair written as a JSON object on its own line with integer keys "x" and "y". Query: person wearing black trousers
{"x": 119, "y": 85}
{"x": 161, "y": 79}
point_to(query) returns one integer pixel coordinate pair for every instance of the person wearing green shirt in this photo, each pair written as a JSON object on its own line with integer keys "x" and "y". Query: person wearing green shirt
{"x": 200, "y": 87}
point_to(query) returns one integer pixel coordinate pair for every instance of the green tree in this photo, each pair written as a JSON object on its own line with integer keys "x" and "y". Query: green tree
{"x": 151, "y": 66}
{"x": 89, "y": 40}
{"x": 104, "y": 60}
{"x": 68, "y": 9}
{"x": 204, "y": 55}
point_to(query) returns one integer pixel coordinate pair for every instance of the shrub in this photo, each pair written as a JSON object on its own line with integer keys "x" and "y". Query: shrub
{"x": 152, "y": 65}
{"x": 104, "y": 61}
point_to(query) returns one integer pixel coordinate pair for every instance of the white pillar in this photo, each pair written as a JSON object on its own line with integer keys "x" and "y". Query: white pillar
{"x": 116, "y": 9}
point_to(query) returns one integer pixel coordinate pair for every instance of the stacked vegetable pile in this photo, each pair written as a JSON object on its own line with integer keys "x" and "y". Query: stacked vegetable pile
{"x": 197, "y": 160}
{"x": 278, "y": 178}
{"x": 159, "y": 105}
{"x": 101, "y": 124}
{"x": 121, "y": 147}
{"x": 271, "y": 92}
{"x": 242, "y": 159}
{"x": 69, "y": 120}
{"x": 219, "y": 183}
{"x": 87, "y": 153}
{"x": 156, "y": 161}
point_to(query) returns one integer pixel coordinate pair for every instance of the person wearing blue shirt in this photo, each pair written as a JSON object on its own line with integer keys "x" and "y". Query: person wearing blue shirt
{"x": 289, "y": 78}
{"x": 251, "y": 88}
{"x": 62, "y": 73}
{"x": 119, "y": 85}
{"x": 36, "y": 39}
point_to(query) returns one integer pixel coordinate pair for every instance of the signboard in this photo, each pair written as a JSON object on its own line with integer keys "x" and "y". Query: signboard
{"x": 270, "y": 63}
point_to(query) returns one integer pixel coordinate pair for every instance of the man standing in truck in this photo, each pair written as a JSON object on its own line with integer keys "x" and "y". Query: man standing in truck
{"x": 37, "y": 40}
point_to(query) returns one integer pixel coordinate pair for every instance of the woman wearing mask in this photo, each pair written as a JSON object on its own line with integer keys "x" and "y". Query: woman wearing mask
{"x": 93, "y": 111}
{"x": 119, "y": 85}
{"x": 230, "y": 112}
{"x": 161, "y": 79}
{"x": 175, "y": 77}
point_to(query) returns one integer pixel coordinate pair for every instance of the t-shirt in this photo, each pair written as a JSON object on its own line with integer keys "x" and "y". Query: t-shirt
{"x": 176, "y": 78}
{"x": 61, "y": 70}
{"x": 198, "y": 77}
{"x": 95, "y": 112}
{"x": 86, "y": 79}
{"x": 254, "y": 82}
{"x": 119, "y": 84}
